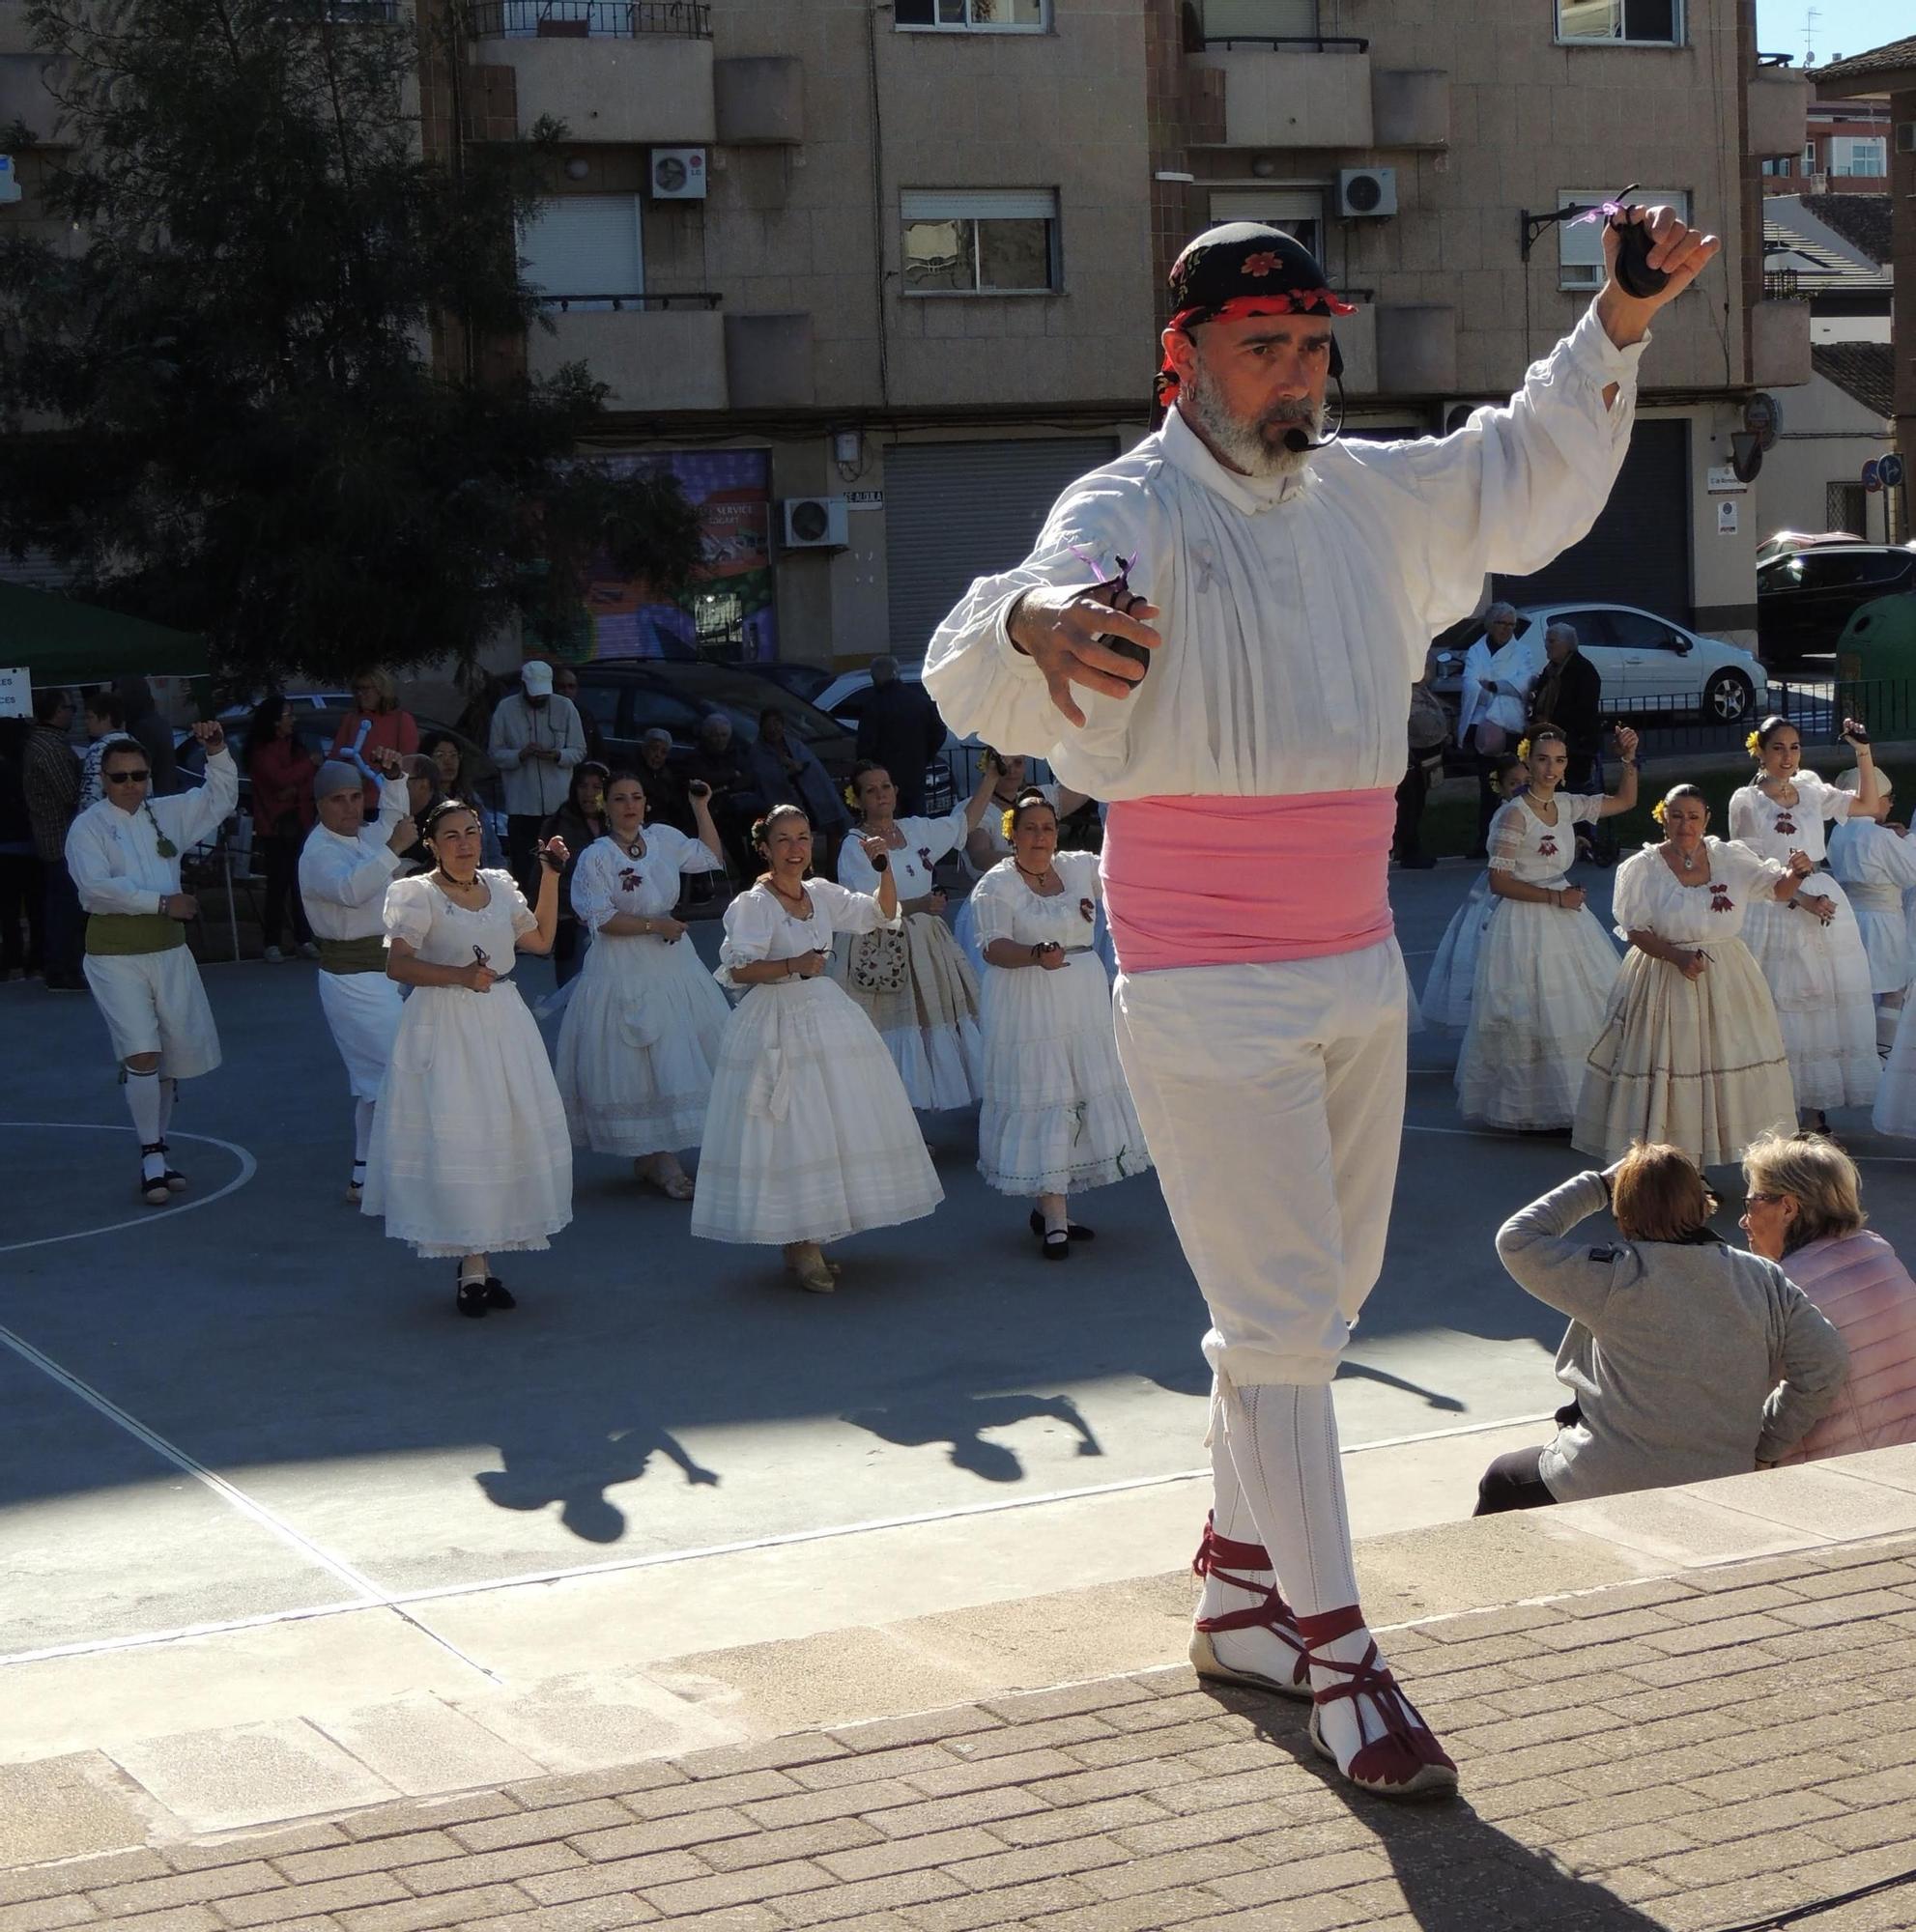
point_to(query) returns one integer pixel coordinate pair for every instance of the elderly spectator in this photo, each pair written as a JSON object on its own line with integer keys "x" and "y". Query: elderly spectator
{"x": 719, "y": 762}
{"x": 1493, "y": 707}
{"x": 666, "y": 801}
{"x": 1568, "y": 693}
{"x": 537, "y": 740}
{"x": 375, "y": 722}
{"x": 50, "y": 779}
{"x": 565, "y": 685}
{"x": 150, "y": 730}
{"x": 1685, "y": 1358}
{"x": 1802, "y": 1208}
{"x": 784, "y": 770}
{"x": 282, "y": 771}
{"x": 900, "y": 729}
{"x": 103, "y": 714}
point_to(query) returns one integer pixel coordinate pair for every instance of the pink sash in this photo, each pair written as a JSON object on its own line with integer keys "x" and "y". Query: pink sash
{"x": 1232, "y": 881}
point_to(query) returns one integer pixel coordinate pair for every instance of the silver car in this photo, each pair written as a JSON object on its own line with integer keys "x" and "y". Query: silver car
{"x": 1648, "y": 663}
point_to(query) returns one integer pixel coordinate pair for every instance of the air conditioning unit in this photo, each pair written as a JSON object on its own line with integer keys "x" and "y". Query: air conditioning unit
{"x": 1452, "y": 416}
{"x": 1364, "y": 194}
{"x": 677, "y": 174}
{"x": 815, "y": 523}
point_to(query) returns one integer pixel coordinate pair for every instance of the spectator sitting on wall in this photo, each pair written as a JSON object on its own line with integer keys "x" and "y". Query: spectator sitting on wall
{"x": 666, "y": 801}
{"x": 720, "y": 763}
{"x": 784, "y": 770}
{"x": 900, "y": 729}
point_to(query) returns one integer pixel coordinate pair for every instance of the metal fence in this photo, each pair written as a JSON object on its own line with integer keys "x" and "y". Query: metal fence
{"x": 588, "y": 19}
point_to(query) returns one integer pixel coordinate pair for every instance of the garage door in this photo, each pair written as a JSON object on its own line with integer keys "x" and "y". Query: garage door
{"x": 1639, "y": 550}
{"x": 958, "y": 510}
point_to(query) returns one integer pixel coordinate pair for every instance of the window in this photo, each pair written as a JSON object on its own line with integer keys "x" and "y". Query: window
{"x": 1649, "y": 22}
{"x": 1639, "y": 631}
{"x": 1298, "y": 211}
{"x": 977, "y": 16}
{"x": 1808, "y": 157}
{"x": 1258, "y": 20}
{"x": 970, "y": 242}
{"x": 582, "y": 251}
{"x": 1580, "y": 246}
{"x": 1779, "y": 164}
{"x": 1866, "y": 157}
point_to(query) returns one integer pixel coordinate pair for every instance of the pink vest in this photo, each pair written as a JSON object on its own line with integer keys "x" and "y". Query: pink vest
{"x": 1203, "y": 881}
{"x": 1869, "y": 1297}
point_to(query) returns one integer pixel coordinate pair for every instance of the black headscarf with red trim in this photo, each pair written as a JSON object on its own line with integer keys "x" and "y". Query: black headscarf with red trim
{"x": 1244, "y": 267}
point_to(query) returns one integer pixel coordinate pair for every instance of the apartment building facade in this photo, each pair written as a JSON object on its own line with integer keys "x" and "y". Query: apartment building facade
{"x": 876, "y": 279}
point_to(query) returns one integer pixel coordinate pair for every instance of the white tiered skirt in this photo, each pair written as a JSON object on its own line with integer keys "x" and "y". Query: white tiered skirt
{"x": 1818, "y": 978}
{"x": 929, "y": 1026}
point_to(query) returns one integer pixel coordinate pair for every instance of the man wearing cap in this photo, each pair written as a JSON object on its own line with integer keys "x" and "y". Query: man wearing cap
{"x": 1273, "y": 592}
{"x": 123, "y": 857}
{"x": 535, "y": 740}
{"x": 345, "y": 867}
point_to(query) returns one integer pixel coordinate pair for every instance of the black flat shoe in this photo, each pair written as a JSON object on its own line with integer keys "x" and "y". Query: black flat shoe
{"x": 176, "y": 1182}
{"x": 498, "y": 1294}
{"x": 1079, "y": 1232}
{"x": 154, "y": 1190}
{"x": 473, "y": 1297}
{"x": 1056, "y": 1246}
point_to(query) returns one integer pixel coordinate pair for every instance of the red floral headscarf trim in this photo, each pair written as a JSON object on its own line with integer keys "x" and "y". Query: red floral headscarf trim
{"x": 1294, "y": 301}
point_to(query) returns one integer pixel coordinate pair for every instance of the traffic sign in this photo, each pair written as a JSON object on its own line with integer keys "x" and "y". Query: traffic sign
{"x": 1890, "y": 470}
{"x": 1872, "y": 475}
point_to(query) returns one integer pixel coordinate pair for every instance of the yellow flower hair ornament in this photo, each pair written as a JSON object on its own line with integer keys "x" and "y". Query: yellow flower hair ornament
{"x": 1656, "y": 812}
{"x": 851, "y": 799}
{"x": 1753, "y": 743}
{"x": 1010, "y": 819}
{"x": 1524, "y": 751}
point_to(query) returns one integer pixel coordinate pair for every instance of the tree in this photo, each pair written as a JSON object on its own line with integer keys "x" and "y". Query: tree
{"x": 252, "y": 438}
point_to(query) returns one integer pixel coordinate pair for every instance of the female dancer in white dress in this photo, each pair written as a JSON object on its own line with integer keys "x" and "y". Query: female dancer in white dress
{"x": 915, "y": 986}
{"x": 1818, "y": 971}
{"x": 1446, "y": 1001}
{"x": 1057, "y": 1116}
{"x": 1690, "y": 1053}
{"x": 1546, "y": 968}
{"x": 990, "y": 844}
{"x": 1876, "y": 866}
{"x": 641, "y": 1030}
{"x": 808, "y": 1136}
{"x": 470, "y": 1155}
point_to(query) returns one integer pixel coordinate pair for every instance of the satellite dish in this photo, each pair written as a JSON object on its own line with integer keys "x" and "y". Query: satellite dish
{"x": 1763, "y": 418}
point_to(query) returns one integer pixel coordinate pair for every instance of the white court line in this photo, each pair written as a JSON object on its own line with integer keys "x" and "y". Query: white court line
{"x": 248, "y": 1167}
{"x": 661, "y": 1559}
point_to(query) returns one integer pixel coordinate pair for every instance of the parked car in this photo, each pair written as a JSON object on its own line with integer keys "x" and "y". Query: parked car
{"x": 1648, "y": 663}
{"x": 801, "y": 680}
{"x": 845, "y": 698}
{"x": 1805, "y": 597}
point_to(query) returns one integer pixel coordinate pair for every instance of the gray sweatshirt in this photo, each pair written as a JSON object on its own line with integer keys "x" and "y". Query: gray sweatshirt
{"x": 1687, "y": 1361}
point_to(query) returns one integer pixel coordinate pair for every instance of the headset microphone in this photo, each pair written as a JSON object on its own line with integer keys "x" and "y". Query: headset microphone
{"x": 1298, "y": 440}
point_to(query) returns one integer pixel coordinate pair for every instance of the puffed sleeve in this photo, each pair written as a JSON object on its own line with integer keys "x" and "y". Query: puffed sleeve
{"x": 524, "y": 918}
{"x": 686, "y": 853}
{"x": 855, "y": 869}
{"x": 1081, "y": 874}
{"x": 1506, "y": 837}
{"x": 993, "y": 906}
{"x": 1746, "y": 805}
{"x": 1747, "y": 872}
{"x": 849, "y": 910}
{"x": 938, "y": 835}
{"x": 1586, "y": 807}
{"x": 1823, "y": 797}
{"x": 749, "y": 923}
{"x": 408, "y": 913}
{"x": 1631, "y": 904}
{"x": 592, "y": 884}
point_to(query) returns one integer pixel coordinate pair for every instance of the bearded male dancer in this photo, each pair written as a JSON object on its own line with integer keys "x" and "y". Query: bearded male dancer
{"x": 1239, "y": 694}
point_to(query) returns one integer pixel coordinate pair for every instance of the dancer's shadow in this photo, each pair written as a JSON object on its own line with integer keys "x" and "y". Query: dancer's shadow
{"x": 961, "y": 1421}
{"x": 1448, "y": 1404}
{"x": 1457, "y": 1871}
{"x": 576, "y": 1469}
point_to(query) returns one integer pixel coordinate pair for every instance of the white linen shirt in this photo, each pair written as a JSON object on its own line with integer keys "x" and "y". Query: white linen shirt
{"x": 343, "y": 881}
{"x": 1296, "y": 611}
{"x": 114, "y": 858}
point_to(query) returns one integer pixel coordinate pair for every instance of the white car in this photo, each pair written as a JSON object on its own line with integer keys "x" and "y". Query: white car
{"x": 1646, "y": 663}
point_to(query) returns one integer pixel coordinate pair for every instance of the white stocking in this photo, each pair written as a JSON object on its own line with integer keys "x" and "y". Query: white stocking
{"x": 1234, "y": 1587}
{"x": 362, "y": 1130}
{"x": 169, "y": 1091}
{"x": 143, "y": 1103}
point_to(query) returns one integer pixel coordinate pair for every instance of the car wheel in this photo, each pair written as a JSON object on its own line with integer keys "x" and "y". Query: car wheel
{"x": 1727, "y": 697}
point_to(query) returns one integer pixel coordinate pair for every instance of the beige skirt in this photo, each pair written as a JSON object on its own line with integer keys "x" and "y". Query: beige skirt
{"x": 1699, "y": 1064}
{"x": 923, "y": 1005}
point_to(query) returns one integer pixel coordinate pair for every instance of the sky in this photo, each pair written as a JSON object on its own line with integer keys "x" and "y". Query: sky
{"x": 1842, "y": 26}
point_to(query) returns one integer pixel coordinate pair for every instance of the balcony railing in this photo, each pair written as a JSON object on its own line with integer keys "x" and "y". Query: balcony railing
{"x": 588, "y": 19}
{"x": 564, "y": 304}
{"x": 1321, "y": 43}
{"x": 1781, "y": 285}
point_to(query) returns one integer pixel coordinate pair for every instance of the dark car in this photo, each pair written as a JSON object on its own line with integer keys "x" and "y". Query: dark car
{"x": 1805, "y": 597}
{"x": 801, "y": 680}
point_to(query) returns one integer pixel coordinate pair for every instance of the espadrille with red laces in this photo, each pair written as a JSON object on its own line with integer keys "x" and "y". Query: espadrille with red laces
{"x": 1218, "y": 1556}
{"x": 1404, "y": 1759}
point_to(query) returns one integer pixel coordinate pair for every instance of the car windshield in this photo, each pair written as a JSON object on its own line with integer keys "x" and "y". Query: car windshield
{"x": 742, "y": 696}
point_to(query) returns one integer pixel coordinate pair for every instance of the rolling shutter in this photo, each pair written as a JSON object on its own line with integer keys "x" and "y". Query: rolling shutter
{"x": 958, "y": 510}
{"x": 1638, "y": 551}
{"x": 584, "y": 245}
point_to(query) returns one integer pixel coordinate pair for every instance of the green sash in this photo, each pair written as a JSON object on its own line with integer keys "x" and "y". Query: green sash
{"x": 353, "y": 956}
{"x": 115, "y": 935}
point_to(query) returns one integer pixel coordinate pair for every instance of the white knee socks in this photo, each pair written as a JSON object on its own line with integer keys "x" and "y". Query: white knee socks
{"x": 169, "y": 1091}
{"x": 143, "y": 1103}
{"x": 1282, "y": 1439}
{"x": 362, "y": 1130}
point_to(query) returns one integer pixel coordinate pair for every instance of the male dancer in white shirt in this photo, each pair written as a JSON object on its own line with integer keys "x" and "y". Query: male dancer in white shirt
{"x": 1219, "y": 633}
{"x": 124, "y": 856}
{"x": 345, "y": 867}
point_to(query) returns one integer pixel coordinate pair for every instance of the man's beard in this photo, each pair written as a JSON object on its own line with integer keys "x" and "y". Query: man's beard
{"x": 1253, "y": 444}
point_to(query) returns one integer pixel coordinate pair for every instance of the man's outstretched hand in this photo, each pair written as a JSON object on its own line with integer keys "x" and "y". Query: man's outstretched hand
{"x": 1060, "y": 630}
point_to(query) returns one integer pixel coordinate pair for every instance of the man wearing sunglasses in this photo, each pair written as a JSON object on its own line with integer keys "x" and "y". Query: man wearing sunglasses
{"x": 124, "y": 854}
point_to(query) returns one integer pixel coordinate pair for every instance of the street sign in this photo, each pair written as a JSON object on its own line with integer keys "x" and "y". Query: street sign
{"x": 16, "y": 693}
{"x": 1723, "y": 479}
{"x": 1872, "y": 475}
{"x": 1890, "y": 470}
